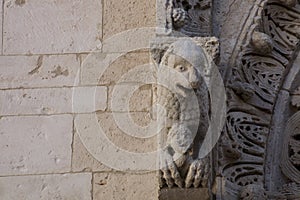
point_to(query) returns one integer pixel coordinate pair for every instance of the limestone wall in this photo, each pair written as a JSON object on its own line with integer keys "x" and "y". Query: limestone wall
{"x": 44, "y": 45}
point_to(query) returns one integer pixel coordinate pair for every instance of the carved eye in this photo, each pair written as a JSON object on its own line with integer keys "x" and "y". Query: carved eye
{"x": 180, "y": 68}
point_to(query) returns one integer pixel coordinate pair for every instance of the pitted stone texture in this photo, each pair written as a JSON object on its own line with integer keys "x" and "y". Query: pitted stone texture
{"x": 130, "y": 97}
{"x": 109, "y": 68}
{"x": 36, "y": 101}
{"x": 89, "y": 99}
{"x": 125, "y": 186}
{"x": 103, "y": 138}
{"x": 179, "y": 194}
{"x": 120, "y": 136}
{"x": 1, "y": 21}
{"x": 50, "y": 26}
{"x": 40, "y": 144}
{"x": 122, "y": 15}
{"x": 38, "y": 71}
{"x": 82, "y": 160}
{"x": 123, "y": 137}
{"x": 52, "y": 101}
{"x": 231, "y": 16}
{"x": 56, "y": 187}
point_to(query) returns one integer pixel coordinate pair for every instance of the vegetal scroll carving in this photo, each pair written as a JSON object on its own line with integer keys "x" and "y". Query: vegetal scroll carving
{"x": 267, "y": 52}
{"x": 296, "y": 98}
{"x": 290, "y": 158}
{"x": 191, "y": 17}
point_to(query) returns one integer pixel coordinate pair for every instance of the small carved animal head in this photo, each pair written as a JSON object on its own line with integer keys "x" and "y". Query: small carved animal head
{"x": 187, "y": 59}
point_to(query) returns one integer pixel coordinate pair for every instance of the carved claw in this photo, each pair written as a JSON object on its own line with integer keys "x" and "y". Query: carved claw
{"x": 169, "y": 171}
{"x": 198, "y": 173}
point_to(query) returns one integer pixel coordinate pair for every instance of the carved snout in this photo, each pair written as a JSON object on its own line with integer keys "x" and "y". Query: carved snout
{"x": 194, "y": 78}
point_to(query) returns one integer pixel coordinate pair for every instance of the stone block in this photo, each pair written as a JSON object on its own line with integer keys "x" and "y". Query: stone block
{"x": 39, "y": 144}
{"x": 44, "y": 27}
{"x": 130, "y": 98}
{"x": 89, "y": 99}
{"x": 121, "y": 130}
{"x": 36, "y": 101}
{"x": 125, "y": 186}
{"x": 122, "y": 15}
{"x": 52, "y": 100}
{"x": 38, "y": 71}
{"x": 112, "y": 68}
{"x": 117, "y": 141}
{"x": 45, "y": 187}
{"x": 82, "y": 160}
{"x": 179, "y": 194}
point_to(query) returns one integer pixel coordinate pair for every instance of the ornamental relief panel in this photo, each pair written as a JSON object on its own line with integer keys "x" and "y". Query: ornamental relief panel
{"x": 263, "y": 56}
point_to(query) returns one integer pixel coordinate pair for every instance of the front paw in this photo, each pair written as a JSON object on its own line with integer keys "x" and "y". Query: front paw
{"x": 169, "y": 171}
{"x": 198, "y": 173}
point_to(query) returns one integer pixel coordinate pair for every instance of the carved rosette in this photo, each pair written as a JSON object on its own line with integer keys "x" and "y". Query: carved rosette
{"x": 267, "y": 53}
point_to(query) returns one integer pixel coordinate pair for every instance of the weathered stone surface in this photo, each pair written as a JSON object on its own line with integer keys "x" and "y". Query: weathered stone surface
{"x": 125, "y": 186}
{"x": 36, "y": 101}
{"x": 1, "y": 27}
{"x": 63, "y": 186}
{"x": 179, "y": 194}
{"x": 89, "y": 99}
{"x": 82, "y": 160}
{"x": 191, "y": 18}
{"x": 108, "y": 68}
{"x": 256, "y": 125}
{"x": 52, "y": 100}
{"x": 117, "y": 141}
{"x": 185, "y": 129}
{"x": 38, "y": 71}
{"x": 124, "y": 15}
{"x": 40, "y": 144}
{"x": 231, "y": 16}
{"x": 52, "y": 26}
{"x": 130, "y": 97}
{"x": 124, "y": 137}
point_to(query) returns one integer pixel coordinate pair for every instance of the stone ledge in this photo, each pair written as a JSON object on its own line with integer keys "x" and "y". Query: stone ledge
{"x": 179, "y": 194}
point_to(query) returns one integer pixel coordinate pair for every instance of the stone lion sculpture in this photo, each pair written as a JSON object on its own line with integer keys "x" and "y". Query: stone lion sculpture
{"x": 184, "y": 97}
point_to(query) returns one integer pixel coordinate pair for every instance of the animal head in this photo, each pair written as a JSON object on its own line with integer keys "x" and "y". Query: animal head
{"x": 188, "y": 60}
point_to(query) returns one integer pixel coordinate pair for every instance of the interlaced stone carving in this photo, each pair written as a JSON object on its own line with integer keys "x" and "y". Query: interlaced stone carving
{"x": 267, "y": 52}
{"x": 253, "y": 192}
{"x": 190, "y": 17}
{"x": 296, "y": 98}
{"x": 290, "y": 191}
{"x": 290, "y": 158}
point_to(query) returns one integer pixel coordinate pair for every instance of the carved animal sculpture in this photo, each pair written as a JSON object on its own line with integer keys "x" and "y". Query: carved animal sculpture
{"x": 185, "y": 101}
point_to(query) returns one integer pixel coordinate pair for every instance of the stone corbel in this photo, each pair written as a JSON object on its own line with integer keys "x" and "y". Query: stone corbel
{"x": 182, "y": 174}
